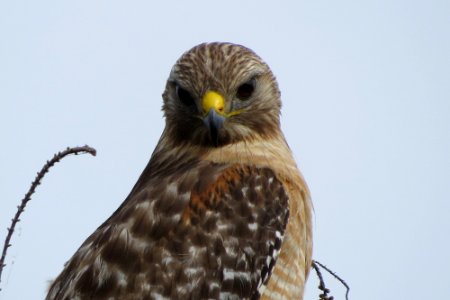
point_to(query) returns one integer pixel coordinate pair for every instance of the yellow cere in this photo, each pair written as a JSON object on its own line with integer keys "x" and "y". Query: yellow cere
{"x": 215, "y": 100}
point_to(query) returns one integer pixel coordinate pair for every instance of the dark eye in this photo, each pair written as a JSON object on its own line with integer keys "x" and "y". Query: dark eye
{"x": 184, "y": 96}
{"x": 245, "y": 90}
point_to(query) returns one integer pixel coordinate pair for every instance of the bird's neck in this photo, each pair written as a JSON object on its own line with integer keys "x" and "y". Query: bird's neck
{"x": 273, "y": 153}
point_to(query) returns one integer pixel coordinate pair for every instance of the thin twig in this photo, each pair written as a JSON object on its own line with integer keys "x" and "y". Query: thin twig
{"x": 315, "y": 263}
{"x": 322, "y": 287}
{"x": 37, "y": 181}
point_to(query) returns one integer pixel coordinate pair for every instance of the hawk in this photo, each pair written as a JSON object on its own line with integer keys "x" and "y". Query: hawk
{"x": 221, "y": 211}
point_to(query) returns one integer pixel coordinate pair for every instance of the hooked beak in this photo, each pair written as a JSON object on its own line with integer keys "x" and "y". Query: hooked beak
{"x": 214, "y": 122}
{"x": 213, "y": 108}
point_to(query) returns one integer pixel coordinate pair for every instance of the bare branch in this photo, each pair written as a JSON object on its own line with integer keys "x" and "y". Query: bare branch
{"x": 56, "y": 158}
{"x": 322, "y": 287}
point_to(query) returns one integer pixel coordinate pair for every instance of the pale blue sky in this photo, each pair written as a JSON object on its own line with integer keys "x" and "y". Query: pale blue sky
{"x": 366, "y": 93}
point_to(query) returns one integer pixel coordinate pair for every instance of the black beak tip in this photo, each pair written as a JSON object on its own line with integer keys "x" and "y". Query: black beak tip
{"x": 214, "y": 122}
{"x": 214, "y": 135}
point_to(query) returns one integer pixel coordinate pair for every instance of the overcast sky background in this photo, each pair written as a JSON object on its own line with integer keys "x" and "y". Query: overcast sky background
{"x": 366, "y": 93}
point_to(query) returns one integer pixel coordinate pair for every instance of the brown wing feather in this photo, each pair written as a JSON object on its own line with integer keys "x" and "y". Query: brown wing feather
{"x": 218, "y": 238}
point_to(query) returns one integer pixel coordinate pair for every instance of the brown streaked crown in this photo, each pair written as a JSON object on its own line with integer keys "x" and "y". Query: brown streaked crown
{"x": 236, "y": 72}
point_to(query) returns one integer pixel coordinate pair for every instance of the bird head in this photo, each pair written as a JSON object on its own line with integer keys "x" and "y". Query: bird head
{"x": 218, "y": 94}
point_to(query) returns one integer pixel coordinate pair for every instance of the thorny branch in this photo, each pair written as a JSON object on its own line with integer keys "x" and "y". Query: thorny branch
{"x": 322, "y": 287}
{"x": 37, "y": 181}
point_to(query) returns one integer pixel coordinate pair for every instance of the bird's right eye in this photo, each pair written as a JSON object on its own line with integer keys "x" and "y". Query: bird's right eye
{"x": 184, "y": 96}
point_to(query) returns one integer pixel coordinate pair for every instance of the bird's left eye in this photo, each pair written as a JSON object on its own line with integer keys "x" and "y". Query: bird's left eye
{"x": 245, "y": 90}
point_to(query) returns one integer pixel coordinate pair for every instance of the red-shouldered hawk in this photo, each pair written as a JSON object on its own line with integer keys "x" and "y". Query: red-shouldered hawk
{"x": 221, "y": 210}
